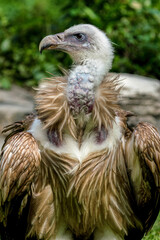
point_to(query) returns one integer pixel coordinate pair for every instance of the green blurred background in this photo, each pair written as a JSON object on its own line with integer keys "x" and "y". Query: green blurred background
{"x": 132, "y": 26}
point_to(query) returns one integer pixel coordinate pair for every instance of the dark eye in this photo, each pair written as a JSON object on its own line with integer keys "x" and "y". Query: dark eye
{"x": 80, "y": 36}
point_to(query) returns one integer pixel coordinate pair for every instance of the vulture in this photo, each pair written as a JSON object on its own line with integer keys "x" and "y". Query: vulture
{"x": 76, "y": 170}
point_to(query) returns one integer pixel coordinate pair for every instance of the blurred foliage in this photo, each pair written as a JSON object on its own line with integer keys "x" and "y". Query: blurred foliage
{"x": 133, "y": 27}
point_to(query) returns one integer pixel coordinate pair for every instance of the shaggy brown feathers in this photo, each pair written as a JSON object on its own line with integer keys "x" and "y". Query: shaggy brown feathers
{"x": 18, "y": 169}
{"x": 115, "y": 187}
{"x": 54, "y": 111}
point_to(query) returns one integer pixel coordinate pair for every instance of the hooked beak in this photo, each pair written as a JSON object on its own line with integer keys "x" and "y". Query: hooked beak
{"x": 52, "y": 42}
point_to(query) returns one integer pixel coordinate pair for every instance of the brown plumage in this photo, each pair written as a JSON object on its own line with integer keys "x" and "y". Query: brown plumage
{"x": 53, "y": 108}
{"x": 79, "y": 174}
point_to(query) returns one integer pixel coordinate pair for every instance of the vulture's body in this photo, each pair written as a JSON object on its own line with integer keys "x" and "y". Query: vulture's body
{"x": 75, "y": 170}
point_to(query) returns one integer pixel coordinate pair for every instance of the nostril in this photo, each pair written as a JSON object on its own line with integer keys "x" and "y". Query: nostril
{"x": 60, "y": 37}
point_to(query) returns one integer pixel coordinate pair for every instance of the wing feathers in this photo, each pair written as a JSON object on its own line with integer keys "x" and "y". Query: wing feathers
{"x": 20, "y": 160}
{"x": 143, "y": 160}
{"x": 147, "y": 144}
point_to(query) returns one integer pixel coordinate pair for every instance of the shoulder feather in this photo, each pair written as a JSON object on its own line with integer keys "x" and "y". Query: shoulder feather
{"x": 147, "y": 145}
{"x": 19, "y": 126}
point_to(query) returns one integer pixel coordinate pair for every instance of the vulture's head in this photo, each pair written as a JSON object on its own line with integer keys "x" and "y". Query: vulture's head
{"x": 84, "y": 43}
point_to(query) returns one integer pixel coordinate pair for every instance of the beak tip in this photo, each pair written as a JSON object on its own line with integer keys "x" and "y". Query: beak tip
{"x": 40, "y": 51}
{"x": 50, "y": 42}
{"x": 41, "y": 47}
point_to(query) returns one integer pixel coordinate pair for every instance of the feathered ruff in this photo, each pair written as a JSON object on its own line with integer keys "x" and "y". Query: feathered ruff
{"x": 106, "y": 97}
{"x": 54, "y": 111}
{"x": 52, "y": 106}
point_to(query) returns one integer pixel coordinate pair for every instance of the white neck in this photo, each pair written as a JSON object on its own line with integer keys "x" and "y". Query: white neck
{"x": 96, "y": 68}
{"x": 83, "y": 81}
